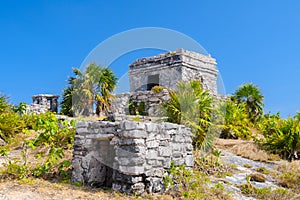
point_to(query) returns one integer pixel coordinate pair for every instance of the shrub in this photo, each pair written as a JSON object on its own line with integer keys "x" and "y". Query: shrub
{"x": 191, "y": 184}
{"x": 10, "y": 124}
{"x": 157, "y": 89}
{"x": 284, "y": 138}
{"x": 236, "y": 123}
{"x": 3, "y": 104}
{"x": 266, "y": 193}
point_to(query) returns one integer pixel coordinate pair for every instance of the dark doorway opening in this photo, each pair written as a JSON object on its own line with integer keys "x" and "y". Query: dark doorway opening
{"x": 153, "y": 80}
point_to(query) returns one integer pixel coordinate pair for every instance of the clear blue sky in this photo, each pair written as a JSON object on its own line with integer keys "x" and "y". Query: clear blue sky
{"x": 253, "y": 41}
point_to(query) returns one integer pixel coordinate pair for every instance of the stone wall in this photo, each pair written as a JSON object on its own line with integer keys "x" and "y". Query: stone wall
{"x": 172, "y": 67}
{"x": 152, "y": 102}
{"x": 129, "y": 156}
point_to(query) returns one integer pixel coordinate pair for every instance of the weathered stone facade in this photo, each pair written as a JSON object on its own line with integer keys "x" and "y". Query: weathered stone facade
{"x": 48, "y": 101}
{"x": 152, "y": 102}
{"x": 169, "y": 68}
{"x": 129, "y": 156}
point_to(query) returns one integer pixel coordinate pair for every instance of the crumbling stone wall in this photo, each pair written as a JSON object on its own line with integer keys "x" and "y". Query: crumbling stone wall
{"x": 152, "y": 102}
{"x": 129, "y": 156}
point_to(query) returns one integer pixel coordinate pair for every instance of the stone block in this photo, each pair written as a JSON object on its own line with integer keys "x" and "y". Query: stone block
{"x": 133, "y": 134}
{"x": 131, "y": 161}
{"x": 152, "y": 144}
{"x": 128, "y": 125}
{"x": 151, "y": 154}
{"x": 127, "y": 178}
{"x": 189, "y": 160}
{"x": 151, "y": 127}
{"x": 154, "y": 185}
{"x": 131, "y": 170}
{"x": 164, "y": 151}
{"x": 138, "y": 188}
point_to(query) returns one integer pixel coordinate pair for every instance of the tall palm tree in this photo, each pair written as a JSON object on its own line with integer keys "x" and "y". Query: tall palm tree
{"x": 94, "y": 86}
{"x": 252, "y": 97}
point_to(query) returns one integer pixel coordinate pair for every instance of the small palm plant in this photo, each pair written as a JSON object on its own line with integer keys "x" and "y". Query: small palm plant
{"x": 191, "y": 105}
{"x": 253, "y": 99}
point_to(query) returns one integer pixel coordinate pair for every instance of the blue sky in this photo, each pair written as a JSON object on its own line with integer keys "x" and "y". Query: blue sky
{"x": 253, "y": 41}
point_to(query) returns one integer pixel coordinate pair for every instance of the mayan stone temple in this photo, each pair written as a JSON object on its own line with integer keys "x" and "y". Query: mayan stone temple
{"x": 169, "y": 68}
{"x": 133, "y": 156}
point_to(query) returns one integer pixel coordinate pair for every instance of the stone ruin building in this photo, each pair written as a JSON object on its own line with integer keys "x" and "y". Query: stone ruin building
{"x": 169, "y": 68}
{"x": 133, "y": 156}
{"x": 42, "y": 103}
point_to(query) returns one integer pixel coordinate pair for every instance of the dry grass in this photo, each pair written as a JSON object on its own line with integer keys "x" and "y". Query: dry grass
{"x": 245, "y": 148}
{"x": 40, "y": 189}
{"x": 290, "y": 175}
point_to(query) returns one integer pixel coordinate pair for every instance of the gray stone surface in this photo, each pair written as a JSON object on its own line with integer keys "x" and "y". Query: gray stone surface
{"x": 172, "y": 67}
{"x": 129, "y": 156}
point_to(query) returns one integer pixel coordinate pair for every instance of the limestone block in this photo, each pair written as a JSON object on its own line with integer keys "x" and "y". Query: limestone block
{"x": 189, "y": 160}
{"x": 164, "y": 151}
{"x": 128, "y": 125}
{"x": 132, "y": 170}
{"x": 151, "y": 154}
{"x": 152, "y": 144}
{"x": 133, "y": 134}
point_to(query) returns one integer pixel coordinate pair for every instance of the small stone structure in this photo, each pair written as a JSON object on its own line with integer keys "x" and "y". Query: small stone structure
{"x": 129, "y": 156}
{"x": 48, "y": 101}
{"x": 169, "y": 68}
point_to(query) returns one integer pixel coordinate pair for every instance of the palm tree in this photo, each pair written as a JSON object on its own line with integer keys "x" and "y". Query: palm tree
{"x": 252, "y": 97}
{"x": 191, "y": 105}
{"x": 94, "y": 86}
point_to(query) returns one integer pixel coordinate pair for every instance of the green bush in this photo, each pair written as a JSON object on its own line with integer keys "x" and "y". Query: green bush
{"x": 10, "y": 125}
{"x": 4, "y": 106}
{"x": 283, "y": 137}
{"x": 236, "y": 121}
{"x": 191, "y": 184}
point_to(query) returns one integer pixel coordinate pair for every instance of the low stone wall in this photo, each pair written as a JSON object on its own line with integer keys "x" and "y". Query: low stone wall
{"x": 36, "y": 109}
{"x": 152, "y": 102}
{"x": 129, "y": 156}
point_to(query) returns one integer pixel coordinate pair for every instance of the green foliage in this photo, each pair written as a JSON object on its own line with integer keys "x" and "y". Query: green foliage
{"x": 282, "y": 136}
{"x": 66, "y": 104}
{"x": 236, "y": 122}
{"x": 191, "y": 105}
{"x": 10, "y": 124}
{"x": 20, "y": 109}
{"x": 55, "y": 137}
{"x": 190, "y": 184}
{"x": 137, "y": 108}
{"x": 4, "y": 106}
{"x": 157, "y": 89}
{"x": 87, "y": 89}
{"x": 253, "y": 99}
{"x": 266, "y": 193}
